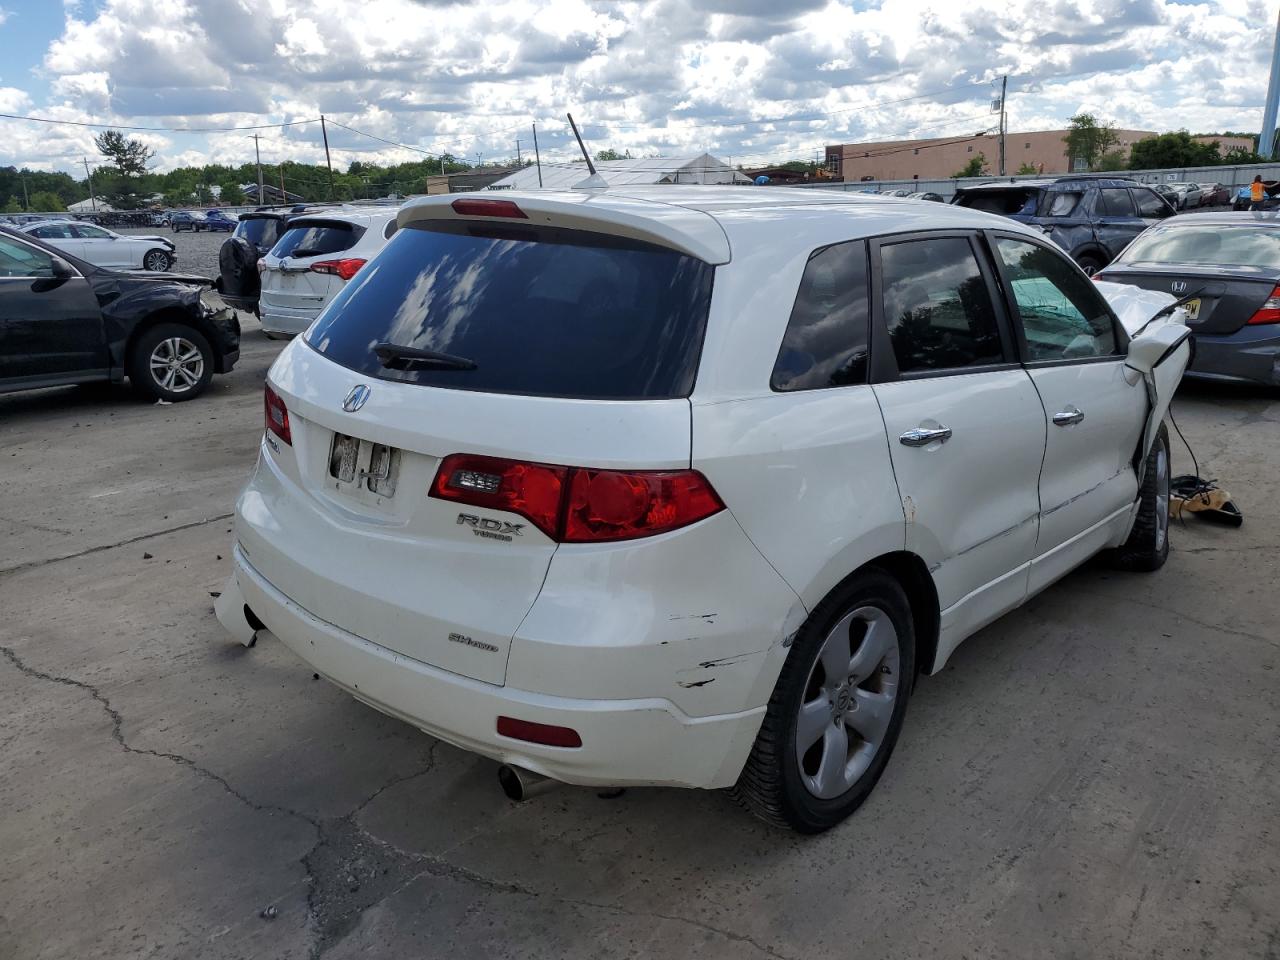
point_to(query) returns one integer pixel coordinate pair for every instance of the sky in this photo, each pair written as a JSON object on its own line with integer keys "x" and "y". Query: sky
{"x": 751, "y": 81}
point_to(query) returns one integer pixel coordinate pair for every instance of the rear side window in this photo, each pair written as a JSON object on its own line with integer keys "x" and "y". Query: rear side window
{"x": 1114, "y": 202}
{"x": 53, "y": 231}
{"x": 937, "y": 308}
{"x": 1004, "y": 202}
{"x": 826, "y": 340}
{"x": 539, "y": 311}
{"x": 313, "y": 238}
{"x": 260, "y": 231}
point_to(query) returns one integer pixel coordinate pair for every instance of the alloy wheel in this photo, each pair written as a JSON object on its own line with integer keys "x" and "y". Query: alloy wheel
{"x": 848, "y": 702}
{"x": 176, "y": 364}
{"x": 156, "y": 261}
{"x": 1162, "y": 497}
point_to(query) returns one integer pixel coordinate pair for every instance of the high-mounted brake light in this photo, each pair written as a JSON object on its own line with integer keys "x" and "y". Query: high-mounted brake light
{"x": 488, "y": 208}
{"x": 346, "y": 268}
{"x": 579, "y": 504}
{"x": 1269, "y": 312}
{"x": 277, "y": 415}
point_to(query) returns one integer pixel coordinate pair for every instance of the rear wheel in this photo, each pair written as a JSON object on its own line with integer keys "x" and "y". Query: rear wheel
{"x": 837, "y": 709}
{"x": 172, "y": 362}
{"x": 1148, "y": 545}
{"x": 1089, "y": 263}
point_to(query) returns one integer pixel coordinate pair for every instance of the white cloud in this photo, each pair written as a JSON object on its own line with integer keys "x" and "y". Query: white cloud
{"x": 649, "y": 75}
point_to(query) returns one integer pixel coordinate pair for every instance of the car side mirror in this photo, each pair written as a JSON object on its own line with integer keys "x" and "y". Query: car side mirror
{"x": 61, "y": 269}
{"x": 1147, "y": 350}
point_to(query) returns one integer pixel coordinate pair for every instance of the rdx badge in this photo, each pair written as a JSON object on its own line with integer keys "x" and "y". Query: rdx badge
{"x": 493, "y": 529}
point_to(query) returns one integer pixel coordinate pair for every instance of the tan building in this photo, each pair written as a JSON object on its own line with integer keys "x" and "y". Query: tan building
{"x": 941, "y": 158}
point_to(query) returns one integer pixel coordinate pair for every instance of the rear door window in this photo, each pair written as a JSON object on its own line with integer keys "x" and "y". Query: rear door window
{"x": 1015, "y": 200}
{"x": 1114, "y": 202}
{"x": 315, "y": 238}
{"x": 539, "y": 311}
{"x": 937, "y": 306}
{"x": 826, "y": 340}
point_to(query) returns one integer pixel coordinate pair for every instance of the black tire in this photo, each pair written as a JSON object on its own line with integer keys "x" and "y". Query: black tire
{"x": 174, "y": 228}
{"x": 149, "y": 383}
{"x": 1089, "y": 263}
{"x": 156, "y": 260}
{"x": 771, "y": 784}
{"x": 1148, "y": 545}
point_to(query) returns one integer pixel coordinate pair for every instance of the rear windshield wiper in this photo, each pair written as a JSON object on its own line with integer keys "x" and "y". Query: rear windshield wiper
{"x": 396, "y": 357}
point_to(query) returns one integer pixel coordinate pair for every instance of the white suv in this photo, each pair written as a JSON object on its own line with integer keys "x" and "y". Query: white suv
{"x": 686, "y": 485}
{"x": 313, "y": 260}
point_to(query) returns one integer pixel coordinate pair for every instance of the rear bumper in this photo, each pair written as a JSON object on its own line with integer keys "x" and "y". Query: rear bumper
{"x": 279, "y": 320}
{"x": 1251, "y": 354}
{"x": 624, "y": 741}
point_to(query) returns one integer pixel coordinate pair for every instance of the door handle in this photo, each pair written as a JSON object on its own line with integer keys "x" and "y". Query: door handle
{"x": 1065, "y": 418}
{"x": 922, "y": 436}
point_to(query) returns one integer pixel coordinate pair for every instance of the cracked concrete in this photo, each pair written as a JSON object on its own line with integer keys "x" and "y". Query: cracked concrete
{"x": 1093, "y": 775}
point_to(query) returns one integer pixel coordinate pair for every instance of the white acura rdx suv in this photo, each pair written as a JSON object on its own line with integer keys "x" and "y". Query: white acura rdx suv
{"x": 685, "y": 485}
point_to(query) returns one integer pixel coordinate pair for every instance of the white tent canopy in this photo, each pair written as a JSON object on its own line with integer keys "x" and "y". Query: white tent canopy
{"x": 87, "y": 206}
{"x": 703, "y": 168}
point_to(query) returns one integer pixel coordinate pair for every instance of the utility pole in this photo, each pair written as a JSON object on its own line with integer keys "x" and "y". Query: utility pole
{"x": 284, "y": 196}
{"x": 327, "y": 162}
{"x": 258, "y": 157}
{"x": 518, "y": 142}
{"x": 1004, "y": 87}
{"x": 442, "y": 166}
{"x": 477, "y": 159}
{"x": 1267, "y": 136}
{"x": 536, "y": 155}
{"x": 26, "y": 202}
{"x": 89, "y": 177}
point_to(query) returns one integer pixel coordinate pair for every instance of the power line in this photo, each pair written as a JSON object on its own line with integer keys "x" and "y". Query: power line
{"x": 121, "y": 126}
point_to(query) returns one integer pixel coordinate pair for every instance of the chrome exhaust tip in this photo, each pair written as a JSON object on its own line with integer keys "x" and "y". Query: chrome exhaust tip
{"x": 520, "y": 784}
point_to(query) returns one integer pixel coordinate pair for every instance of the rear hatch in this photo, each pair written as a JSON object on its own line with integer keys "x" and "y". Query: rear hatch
{"x": 580, "y": 350}
{"x": 289, "y": 285}
{"x": 1231, "y": 270}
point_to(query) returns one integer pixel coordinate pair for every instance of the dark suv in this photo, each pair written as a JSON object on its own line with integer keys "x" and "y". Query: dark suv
{"x": 1092, "y": 218}
{"x": 256, "y": 233}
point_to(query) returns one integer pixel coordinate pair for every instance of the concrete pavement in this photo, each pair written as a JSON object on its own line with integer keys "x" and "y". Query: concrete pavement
{"x": 1094, "y": 775}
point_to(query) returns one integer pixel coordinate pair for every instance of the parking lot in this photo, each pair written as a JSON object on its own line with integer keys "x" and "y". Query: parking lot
{"x": 1093, "y": 775}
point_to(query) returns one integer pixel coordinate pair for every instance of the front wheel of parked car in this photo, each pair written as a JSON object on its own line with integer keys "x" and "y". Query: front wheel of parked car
{"x": 837, "y": 709}
{"x": 172, "y": 362}
{"x": 157, "y": 261}
{"x": 1148, "y": 545}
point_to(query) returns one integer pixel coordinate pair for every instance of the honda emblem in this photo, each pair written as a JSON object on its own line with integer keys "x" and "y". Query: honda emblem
{"x": 1179, "y": 287}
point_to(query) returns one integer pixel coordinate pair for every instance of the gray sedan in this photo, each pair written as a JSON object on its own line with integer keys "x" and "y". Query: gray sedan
{"x": 1228, "y": 264}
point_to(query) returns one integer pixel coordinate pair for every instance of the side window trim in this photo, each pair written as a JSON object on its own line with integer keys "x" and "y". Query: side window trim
{"x": 1011, "y": 306}
{"x": 884, "y": 363}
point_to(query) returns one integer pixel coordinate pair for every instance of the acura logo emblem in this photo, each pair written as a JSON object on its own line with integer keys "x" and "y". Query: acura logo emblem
{"x": 356, "y": 398}
{"x": 1179, "y": 286}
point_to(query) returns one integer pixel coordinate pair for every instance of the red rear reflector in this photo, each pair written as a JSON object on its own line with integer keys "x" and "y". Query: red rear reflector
{"x": 1270, "y": 311}
{"x": 579, "y": 504}
{"x": 542, "y": 733}
{"x": 277, "y": 415}
{"x": 488, "y": 208}
{"x": 346, "y": 269}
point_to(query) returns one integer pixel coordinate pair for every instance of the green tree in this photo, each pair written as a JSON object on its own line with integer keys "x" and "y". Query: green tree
{"x": 1088, "y": 140}
{"x": 231, "y": 193}
{"x": 1026, "y": 169}
{"x": 1175, "y": 149}
{"x": 127, "y": 155}
{"x": 612, "y": 154}
{"x": 1239, "y": 155}
{"x": 976, "y": 167}
{"x": 46, "y": 201}
{"x": 1112, "y": 160}
{"x": 13, "y": 206}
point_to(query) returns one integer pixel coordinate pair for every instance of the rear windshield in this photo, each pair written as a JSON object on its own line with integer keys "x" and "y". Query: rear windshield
{"x": 261, "y": 231}
{"x": 540, "y": 311}
{"x": 1014, "y": 200}
{"x": 1210, "y": 245}
{"x": 313, "y": 237}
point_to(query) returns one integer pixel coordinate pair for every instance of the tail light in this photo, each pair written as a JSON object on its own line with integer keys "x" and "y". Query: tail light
{"x": 489, "y": 208}
{"x": 346, "y": 269}
{"x": 262, "y": 265}
{"x": 1269, "y": 312}
{"x": 277, "y": 415}
{"x": 579, "y": 504}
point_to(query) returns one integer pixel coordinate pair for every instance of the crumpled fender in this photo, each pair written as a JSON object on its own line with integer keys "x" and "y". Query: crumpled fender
{"x": 126, "y": 299}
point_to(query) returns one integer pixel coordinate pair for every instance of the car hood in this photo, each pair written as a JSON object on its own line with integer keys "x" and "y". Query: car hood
{"x": 1135, "y": 306}
{"x": 154, "y": 238}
